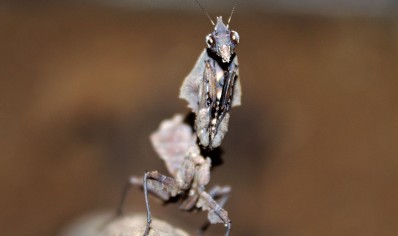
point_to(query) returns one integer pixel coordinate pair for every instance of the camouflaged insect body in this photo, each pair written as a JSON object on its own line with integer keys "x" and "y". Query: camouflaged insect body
{"x": 213, "y": 87}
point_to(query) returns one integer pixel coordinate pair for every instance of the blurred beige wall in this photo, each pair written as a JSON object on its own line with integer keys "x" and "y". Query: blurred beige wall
{"x": 319, "y": 7}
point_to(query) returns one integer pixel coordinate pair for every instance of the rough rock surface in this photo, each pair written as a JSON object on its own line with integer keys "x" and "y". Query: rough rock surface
{"x": 105, "y": 224}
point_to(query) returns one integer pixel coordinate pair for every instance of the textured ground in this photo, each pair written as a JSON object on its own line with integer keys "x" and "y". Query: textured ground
{"x": 106, "y": 224}
{"x": 312, "y": 151}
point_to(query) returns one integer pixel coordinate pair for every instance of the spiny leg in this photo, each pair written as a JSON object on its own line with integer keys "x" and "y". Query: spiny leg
{"x": 224, "y": 105}
{"x": 221, "y": 195}
{"x": 227, "y": 92}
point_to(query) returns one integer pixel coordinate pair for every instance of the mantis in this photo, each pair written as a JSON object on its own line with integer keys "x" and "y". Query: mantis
{"x": 211, "y": 89}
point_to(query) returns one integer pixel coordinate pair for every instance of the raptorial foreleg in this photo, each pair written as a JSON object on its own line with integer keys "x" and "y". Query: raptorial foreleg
{"x": 227, "y": 92}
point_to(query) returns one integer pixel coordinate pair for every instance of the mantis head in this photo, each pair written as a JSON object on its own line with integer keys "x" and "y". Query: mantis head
{"x": 222, "y": 41}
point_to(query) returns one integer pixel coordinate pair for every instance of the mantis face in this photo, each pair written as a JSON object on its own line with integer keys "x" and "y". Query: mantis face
{"x": 222, "y": 41}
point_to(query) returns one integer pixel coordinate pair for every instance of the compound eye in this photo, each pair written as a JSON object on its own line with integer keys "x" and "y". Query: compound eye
{"x": 235, "y": 37}
{"x": 209, "y": 41}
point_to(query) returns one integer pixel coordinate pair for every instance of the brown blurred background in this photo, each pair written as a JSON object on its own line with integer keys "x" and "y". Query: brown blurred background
{"x": 312, "y": 151}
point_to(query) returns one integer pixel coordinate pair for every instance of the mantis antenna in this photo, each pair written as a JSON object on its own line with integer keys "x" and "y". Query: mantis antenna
{"x": 232, "y": 12}
{"x": 207, "y": 14}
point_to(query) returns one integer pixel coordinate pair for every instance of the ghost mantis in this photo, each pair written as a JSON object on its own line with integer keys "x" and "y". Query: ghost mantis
{"x": 211, "y": 89}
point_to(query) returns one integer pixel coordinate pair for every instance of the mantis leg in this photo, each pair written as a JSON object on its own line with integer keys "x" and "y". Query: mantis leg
{"x": 160, "y": 185}
{"x": 221, "y": 195}
{"x": 157, "y": 182}
{"x": 216, "y": 213}
{"x": 137, "y": 181}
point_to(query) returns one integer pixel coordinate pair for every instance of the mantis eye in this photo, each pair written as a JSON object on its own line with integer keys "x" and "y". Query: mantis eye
{"x": 209, "y": 40}
{"x": 235, "y": 37}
